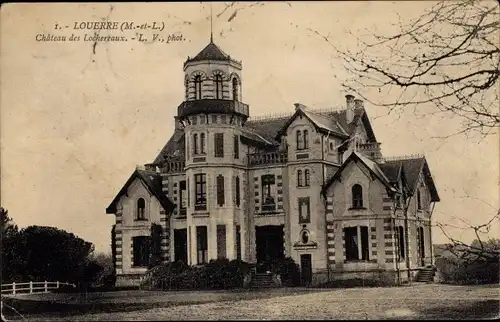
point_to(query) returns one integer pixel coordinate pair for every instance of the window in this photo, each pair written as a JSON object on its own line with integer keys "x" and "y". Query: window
{"x": 140, "y": 249}
{"x": 183, "y": 196}
{"x": 268, "y": 203}
{"x": 202, "y": 244}
{"x": 197, "y": 87}
{"x": 357, "y": 197}
{"x": 218, "y": 86}
{"x": 419, "y": 199}
{"x": 201, "y": 191}
{"x": 421, "y": 241}
{"x": 195, "y": 143}
{"x": 223, "y": 119}
{"x": 237, "y": 192}
{"x": 299, "y": 178}
{"x": 304, "y": 236}
{"x": 401, "y": 242}
{"x": 214, "y": 119}
{"x": 356, "y": 243}
{"x": 186, "y": 87}
{"x": 306, "y": 139}
{"x": 304, "y": 210}
{"x": 141, "y": 209}
{"x": 202, "y": 143}
{"x": 219, "y": 145}
{"x": 236, "y": 147}
{"x": 235, "y": 89}
{"x": 220, "y": 190}
{"x": 331, "y": 146}
{"x": 194, "y": 120}
{"x": 221, "y": 241}
{"x": 306, "y": 178}
{"x": 299, "y": 140}
{"x": 238, "y": 242}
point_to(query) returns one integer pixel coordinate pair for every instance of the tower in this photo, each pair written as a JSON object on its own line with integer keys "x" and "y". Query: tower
{"x": 213, "y": 115}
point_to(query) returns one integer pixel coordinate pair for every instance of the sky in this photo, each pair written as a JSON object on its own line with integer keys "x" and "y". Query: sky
{"x": 77, "y": 119}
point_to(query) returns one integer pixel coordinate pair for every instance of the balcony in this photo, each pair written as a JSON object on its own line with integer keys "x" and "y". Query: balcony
{"x": 267, "y": 158}
{"x": 268, "y": 205}
{"x": 217, "y": 106}
{"x": 174, "y": 166}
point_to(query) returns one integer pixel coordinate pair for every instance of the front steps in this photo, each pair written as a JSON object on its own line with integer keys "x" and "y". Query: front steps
{"x": 262, "y": 281}
{"x": 426, "y": 275}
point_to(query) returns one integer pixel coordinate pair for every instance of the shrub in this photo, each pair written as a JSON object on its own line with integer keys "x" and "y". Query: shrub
{"x": 457, "y": 271}
{"x": 289, "y": 271}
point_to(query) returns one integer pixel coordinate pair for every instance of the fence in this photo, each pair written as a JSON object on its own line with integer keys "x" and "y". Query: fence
{"x": 32, "y": 287}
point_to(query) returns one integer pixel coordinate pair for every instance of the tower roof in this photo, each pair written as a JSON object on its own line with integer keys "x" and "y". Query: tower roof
{"x": 210, "y": 52}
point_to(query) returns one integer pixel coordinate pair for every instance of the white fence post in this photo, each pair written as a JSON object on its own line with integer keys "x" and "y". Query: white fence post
{"x": 13, "y": 288}
{"x": 46, "y": 290}
{"x": 31, "y": 287}
{"x": 57, "y": 284}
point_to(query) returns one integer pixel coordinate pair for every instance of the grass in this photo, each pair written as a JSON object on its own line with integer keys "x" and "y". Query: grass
{"x": 424, "y": 301}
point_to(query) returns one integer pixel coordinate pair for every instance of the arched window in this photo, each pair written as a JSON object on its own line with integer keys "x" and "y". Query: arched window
{"x": 419, "y": 200}
{"x": 235, "y": 89}
{"x": 357, "y": 196}
{"x": 299, "y": 140}
{"x": 306, "y": 178}
{"x": 202, "y": 143}
{"x": 195, "y": 143}
{"x": 306, "y": 139}
{"x": 197, "y": 87}
{"x": 141, "y": 207}
{"x": 218, "y": 86}
{"x": 305, "y": 236}
{"x": 237, "y": 197}
{"x": 186, "y": 87}
{"x": 299, "y": 178}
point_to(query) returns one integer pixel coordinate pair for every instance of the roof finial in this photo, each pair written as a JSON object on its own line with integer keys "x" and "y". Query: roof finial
{"x": 211, "y": 25}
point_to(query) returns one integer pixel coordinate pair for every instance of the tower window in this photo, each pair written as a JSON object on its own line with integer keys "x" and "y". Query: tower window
{"x": 357, "y": 196}
{"x": 201, "y": 191}
{"x": 202, "y": 143}
{"x": 302, "y": 139}
{"x": 237, "y": 193}
{"x": 219, "y": 145}
{"x": 197, "y": 87}
{"x": 141, "y": 207}
{"x": 236, "y": 147}
{"x": 299, "y": 178}
{"x": 186, "y": 87}
{"x": 195, "y": 143}
{"x": 235, "y": 89}
{"x": 306, "y": 178}
{"x": 306, "y": 139}
{"x": 220, "y": 190}
{"x": 218, "y": 86}
{"x": 299, "y": 140}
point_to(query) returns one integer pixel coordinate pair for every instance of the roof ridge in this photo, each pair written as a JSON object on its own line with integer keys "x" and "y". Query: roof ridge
{"x": 405, "y": 157}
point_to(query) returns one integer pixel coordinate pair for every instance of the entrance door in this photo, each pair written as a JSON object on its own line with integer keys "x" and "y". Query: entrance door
{"x": 269, "y": 245}
{"x": 180, "y": 245}
{"x": 306, "y": 268}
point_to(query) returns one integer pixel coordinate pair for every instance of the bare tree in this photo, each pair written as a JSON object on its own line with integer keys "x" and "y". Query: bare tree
{"x": 448, "y": 56}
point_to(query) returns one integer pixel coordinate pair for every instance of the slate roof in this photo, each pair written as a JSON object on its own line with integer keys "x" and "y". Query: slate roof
{"x": 152, "y": 181}
{"x": 266, "y": 131}
{"x": 412, "y": 168}
{"x": 210, "y": 52}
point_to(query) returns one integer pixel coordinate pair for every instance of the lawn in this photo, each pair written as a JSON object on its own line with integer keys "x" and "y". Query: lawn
{"x": 423, "y": 301}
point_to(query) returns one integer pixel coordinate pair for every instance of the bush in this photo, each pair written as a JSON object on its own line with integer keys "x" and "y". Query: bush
{"x": 288, "y": 270}
{"x": 217, "y": 274}
{"x": 456, "y": 271}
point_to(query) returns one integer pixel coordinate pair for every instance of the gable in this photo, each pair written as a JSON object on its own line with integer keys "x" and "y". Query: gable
{"x": 151, "y": 181}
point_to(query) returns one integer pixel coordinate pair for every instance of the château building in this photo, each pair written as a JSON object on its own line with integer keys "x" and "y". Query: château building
{"x": 312, "y": 185}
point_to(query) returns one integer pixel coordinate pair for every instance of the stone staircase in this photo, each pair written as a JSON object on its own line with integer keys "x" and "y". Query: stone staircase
{"x": 262, "y": 281}
{"x": 426, "y": 275}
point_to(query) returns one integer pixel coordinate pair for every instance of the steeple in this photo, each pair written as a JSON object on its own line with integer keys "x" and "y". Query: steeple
{"x": 211, "y": 25}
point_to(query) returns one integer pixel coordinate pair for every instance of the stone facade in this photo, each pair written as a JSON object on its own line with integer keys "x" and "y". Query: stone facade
{"x": 312, "y": 186}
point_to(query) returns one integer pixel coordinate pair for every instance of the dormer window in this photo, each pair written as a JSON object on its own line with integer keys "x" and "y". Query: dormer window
{"x": 197, "y": 87}
{"x": 218, "y": 86}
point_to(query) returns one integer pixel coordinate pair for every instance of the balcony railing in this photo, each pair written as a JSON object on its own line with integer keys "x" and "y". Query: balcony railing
{"x": 372, "y": 146}
{"x": 174, "y": 166}
{"x": 267, "y": 158}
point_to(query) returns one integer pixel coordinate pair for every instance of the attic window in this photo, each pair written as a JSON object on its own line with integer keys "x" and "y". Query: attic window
{"x": 141, "y": 209}
{"x": 357, "y": 196}
{"x": 302, "y": 139}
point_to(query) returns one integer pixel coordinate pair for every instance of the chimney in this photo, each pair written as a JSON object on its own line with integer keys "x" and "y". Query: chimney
{"x": 358, "y": 103}
{"x": 349, "y": 99}
{"x": 299, "y": 106}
